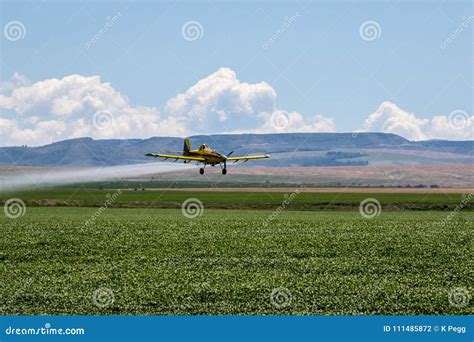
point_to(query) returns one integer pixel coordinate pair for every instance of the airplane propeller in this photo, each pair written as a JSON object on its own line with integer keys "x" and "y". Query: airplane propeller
{"x": 227, "y": 156}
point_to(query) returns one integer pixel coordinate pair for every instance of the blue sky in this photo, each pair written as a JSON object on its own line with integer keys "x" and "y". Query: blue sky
{"x": 319, "y": 65}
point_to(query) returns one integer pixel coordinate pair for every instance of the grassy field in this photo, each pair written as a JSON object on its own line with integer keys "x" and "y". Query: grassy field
{"x": 156, "y": 261}
{"x": 160, "y": 198}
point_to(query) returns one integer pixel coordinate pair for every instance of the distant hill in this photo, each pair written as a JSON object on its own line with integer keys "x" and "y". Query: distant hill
{"x": 292, "y": 149}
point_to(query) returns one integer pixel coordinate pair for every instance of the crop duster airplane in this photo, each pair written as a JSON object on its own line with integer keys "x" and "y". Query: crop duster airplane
{"x": 206, "y": 156}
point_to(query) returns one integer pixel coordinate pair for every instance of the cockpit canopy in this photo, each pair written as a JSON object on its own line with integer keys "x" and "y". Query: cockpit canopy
{"x": 205, "y": 147}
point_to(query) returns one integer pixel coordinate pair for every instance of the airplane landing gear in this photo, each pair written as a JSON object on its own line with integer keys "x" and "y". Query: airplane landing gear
{"x": 224, "y": 169}
{"x": 201, "y": 171}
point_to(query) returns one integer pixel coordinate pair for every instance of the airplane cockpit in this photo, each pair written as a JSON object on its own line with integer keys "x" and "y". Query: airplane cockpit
{"x": 205, "y": 147}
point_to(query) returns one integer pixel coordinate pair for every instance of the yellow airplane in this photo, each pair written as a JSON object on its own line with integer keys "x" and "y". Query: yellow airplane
{"x": 206, "y": 156}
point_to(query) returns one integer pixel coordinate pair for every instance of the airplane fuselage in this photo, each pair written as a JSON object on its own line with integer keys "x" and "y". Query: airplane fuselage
{"x": 213, "y": 158}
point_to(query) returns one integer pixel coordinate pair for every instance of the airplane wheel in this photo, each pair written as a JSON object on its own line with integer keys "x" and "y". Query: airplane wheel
{"x": 201, "y": 171}
{"x": 224, "y": 171}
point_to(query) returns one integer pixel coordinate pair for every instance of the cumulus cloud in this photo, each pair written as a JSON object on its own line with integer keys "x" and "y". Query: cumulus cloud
{"x": 71, "y": 107}
{"x": 222, "y": 103}
{"x": 37, "y": 113}
{"x": 390, "y": 118}
{"x": 283, "y": 121}
{"x": 15, "y": 81}
{"x": 458, "y": 125}
{"x": 80, "y": 106}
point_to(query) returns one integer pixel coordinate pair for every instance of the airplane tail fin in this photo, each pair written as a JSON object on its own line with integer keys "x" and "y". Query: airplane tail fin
{"x": 186, "y": 148}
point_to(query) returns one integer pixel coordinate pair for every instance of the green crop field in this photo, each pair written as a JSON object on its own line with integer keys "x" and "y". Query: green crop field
{"x": 67, "y": 260}
{"x": 161, "y": 198}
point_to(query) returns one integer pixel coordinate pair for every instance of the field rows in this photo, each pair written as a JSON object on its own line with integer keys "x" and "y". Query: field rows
{"x": 239, "y": 200}
{"x": 156, "y": 261}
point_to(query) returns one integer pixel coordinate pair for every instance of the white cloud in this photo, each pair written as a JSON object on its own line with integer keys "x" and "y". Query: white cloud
{"x": 282, "y": 121}
{"x": 79, "y": 106}
{"x": 15, "y": 81}
{"x": 57, "y": 109}
{"x": 459, "y": 126}
{"x": 390, "y": 118}
{"x": 221, "y": 103}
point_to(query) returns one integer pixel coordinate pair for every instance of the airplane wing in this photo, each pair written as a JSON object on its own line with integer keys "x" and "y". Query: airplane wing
{"x": 170, "y": 156}
{"x": 247, "y": 158}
